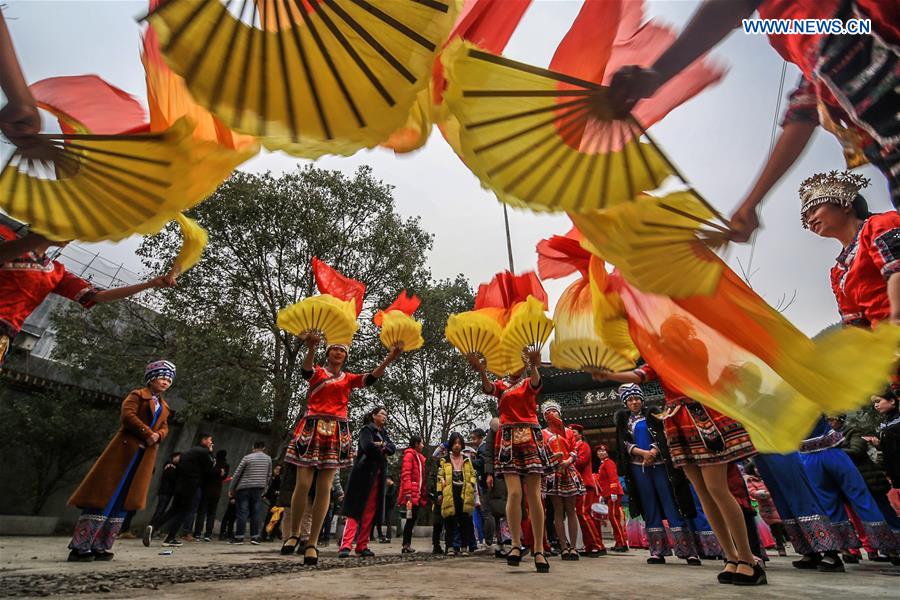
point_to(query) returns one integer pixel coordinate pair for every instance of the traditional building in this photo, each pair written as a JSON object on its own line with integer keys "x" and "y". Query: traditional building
{"x": 589, "y": 403}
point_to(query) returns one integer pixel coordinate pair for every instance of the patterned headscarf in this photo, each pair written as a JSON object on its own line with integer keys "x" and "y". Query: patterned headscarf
{"x": 630, "y": 390}
{"x": 158, "y": 370}
{"x": 343, "y": 347}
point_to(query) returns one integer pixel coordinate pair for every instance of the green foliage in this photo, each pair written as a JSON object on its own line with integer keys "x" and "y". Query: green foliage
{"x": 432, "y": 391}
{"x": 48, "y": 438}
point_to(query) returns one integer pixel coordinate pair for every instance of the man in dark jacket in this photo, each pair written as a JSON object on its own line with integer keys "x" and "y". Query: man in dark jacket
{"x": 210, "y": 493}
{"x": 166, "y": 488}
{"x": 195, "y": 465}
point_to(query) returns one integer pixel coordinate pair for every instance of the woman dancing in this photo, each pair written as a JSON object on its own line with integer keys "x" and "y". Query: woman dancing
{"x": 322, "y": 443}
{"x": 520, "y": 452}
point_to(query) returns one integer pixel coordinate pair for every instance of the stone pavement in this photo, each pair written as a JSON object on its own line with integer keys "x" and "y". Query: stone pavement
{"x": 31, "y": 567}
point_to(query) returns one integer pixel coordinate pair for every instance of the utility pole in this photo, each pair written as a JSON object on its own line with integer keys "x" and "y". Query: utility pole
{"x": 512, "y": 267}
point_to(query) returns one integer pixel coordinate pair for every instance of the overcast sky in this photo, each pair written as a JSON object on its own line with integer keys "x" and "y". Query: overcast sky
{"x": 719, "y": 140}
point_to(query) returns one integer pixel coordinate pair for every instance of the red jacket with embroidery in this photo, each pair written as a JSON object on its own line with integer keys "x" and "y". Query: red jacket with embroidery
{"x": 859, "y": 276}
{"x": 25, "y": 282}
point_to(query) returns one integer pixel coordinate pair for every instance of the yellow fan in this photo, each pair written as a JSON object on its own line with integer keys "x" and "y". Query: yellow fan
{"x": 107, "y": 187}
{"x": 586, "y": 354}
{"x": 332, "y": 319}
{"x": 309, "y": 78}
{"x": 400, "y": 328}
{"x": 614, "y": 333}
{"x": 474, "y": 332}
{"x": 659, "y": 244}
{"x": 544, "y": 139}
{"x": 194, "y": 239}
{"x": 527, "y": 330}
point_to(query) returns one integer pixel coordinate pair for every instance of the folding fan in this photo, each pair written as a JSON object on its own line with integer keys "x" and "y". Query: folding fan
{"x": 311, "y": 77}
{"x": 400, "y": 328}
{"x": 548, "y": 139}
{"x": 527, "y": 330}
{"x": 324, "y": 315}
{"x": 477, "y": 332}
{"x": 194, "y": 239}
{"x": 542, "y": 147}
{"x": 614, "y": 334}
{"x": 107, "y": 187}
{"x": 659, "y": 244}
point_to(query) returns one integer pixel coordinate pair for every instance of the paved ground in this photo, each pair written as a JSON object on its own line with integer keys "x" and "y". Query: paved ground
{"x": 31, "y": 567}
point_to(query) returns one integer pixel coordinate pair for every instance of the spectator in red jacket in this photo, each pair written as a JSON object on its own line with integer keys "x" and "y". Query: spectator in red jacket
{"x": 412, "y": 488}
{"x": 590, "y": 533}
{"x": 611, "y": 490}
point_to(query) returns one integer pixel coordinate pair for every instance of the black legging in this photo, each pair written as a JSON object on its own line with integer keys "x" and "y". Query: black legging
{"x": 461, "y": 521}
{"x": 408, "y": 527}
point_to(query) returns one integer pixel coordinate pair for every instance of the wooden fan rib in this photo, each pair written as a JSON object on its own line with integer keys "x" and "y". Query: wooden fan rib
{"x": 96, "y": 183}
{"x": 581, "y": 198}
{"x": 526, "y": 68}
{"x": 236, "y": 31}
{"x": 569, "y": 127}
{"x": 568, "y": 114}
{"x": 693, "y": 217}
{"x": 440, "y": 6}
{"x": 526, "y": 94}
{"x": 241, "y": 100}
{"x": 640, "y": 150}
{"x": 113, "y": 171}
{"x": 551, "y": 169}
{"x": 526, "y": 113}
{"x": 94, "y": 137}
{"x": 69, "y": 197}
{"x": 567, "y": 180}
{"x": 627, "y": 164}
{"x": 675, "y": 170}
{"x": 262, "y": 116}
{"x": 310, "y": 76}
{"x": 604, "y": 182}
{"x": 29, "y": 193}
{"x": 286, "y": 75}
{"x": 354, "y": 55}
{"x": 191, "y": 71}
{"x": 132, "y": 157}
{"x": 178, "y": 32}
{"x": 398, "y": 26}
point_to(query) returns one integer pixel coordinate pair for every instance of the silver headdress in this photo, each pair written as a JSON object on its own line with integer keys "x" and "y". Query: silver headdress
{"x": 836, "y": 187}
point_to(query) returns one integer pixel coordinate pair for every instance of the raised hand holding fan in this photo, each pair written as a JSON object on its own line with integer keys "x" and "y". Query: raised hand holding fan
{"x": 332, "y": 319}
{"x": 401, "y": 329}
{"x": 478, "y": 332}
{"x": 528, "y": 329}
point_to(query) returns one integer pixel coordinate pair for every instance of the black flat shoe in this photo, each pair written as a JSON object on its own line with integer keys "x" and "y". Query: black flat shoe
{"x": 365, "y": 553}
{"x": 831, "y": 564}
{"x": 850, "y": 559}
{"x": 310, "y": 561}
{"x": 287, "y": 549}
{"x": 103, "y": 555}
{"x": 808, "y": 562}
{"x": 694, "y": 561}
{"x": 513, "y": 560}
{"x": 758, "y": 577}
{"x": 542, "y": 567}
{"x": 726, "y": 576}
{"x": 620, "y": 549}
{"x": 76, "y": 556}
{"x": 656, "y": 560}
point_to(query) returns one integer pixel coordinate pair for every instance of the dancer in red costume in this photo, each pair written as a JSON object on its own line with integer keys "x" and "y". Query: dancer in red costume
{"x": 590, "y": 532}
{"x": 611, "y": 491}
{"x": 322, "y": 440}
{"x": 521, "y": 456}
{"x": 564, "y": 485}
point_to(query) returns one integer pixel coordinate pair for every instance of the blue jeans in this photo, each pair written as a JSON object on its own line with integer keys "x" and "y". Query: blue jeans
{"x": 247, "y": 503}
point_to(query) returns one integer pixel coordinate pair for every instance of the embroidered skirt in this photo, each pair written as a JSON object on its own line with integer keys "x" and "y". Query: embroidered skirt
{"x": 521, "y": 451}
{"x": 863, "y": 74}
{"x": 701, "y": 436}
{"x": 321, "y": 443}
{"x": 565, "y": 483}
